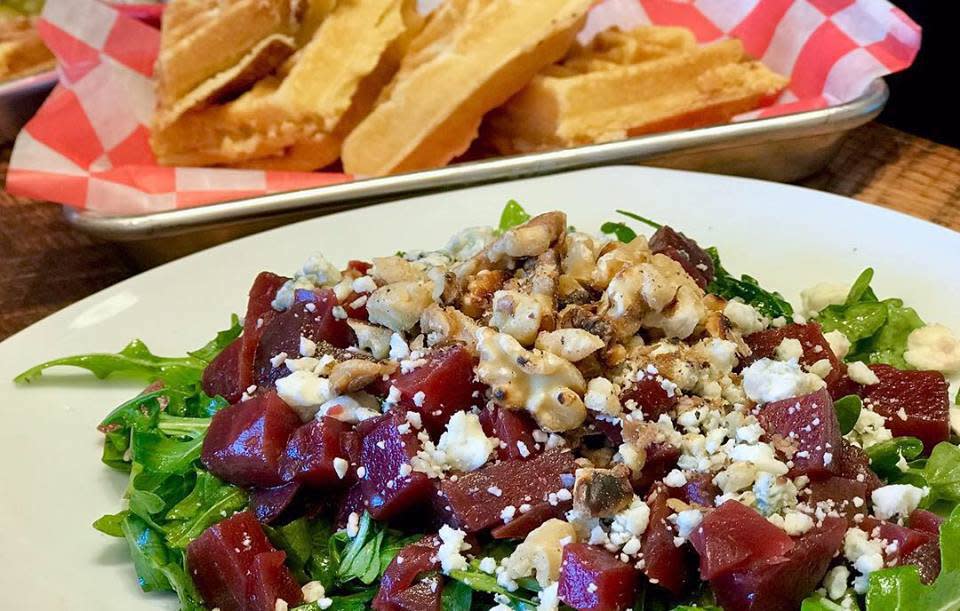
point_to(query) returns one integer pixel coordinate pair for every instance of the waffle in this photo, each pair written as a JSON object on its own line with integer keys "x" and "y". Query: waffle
{"x": 22, "y": 52}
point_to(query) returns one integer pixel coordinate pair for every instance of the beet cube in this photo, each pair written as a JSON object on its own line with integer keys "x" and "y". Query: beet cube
{"x": 927, "y": 559}
{"x": 424, "y": 595}
{"x": 811, "y": 422}
{"x": 385, "y": 454}
{"x": 907, "y": 539}
{"x": 699, "y": 490}
{"x": 351, "y": 502}
{"x": 472, "y": 503}
{"x": 269, "y": 580}
{"x": 513, "y": 428}
{"x": 521, "y": 525}
{"x": 259, "y": 311}
{"x": 841, "y": 495}
{"x": 854, "y": 464}
{"x": 915, "y": 403}
{"x": 268, "y": 504}
{"x": 283, "y": 331}
{"x": 310, "y": 454}
{"x": 665, "y": 564}
{"x": 222, "y": 375}
{"x": 593, "y": 579}
{"x": 650, "y": 395}
{"x": 446, "y": 381}
{"x": 734, "y": 535}
{"x": 781, "y": 583}
{"x": 925, "y": 521}
{"x": 401, "y": 574}
{"x": 245, "y": 441}
{"x": 694, "y": 260}
{"x": 222, "y": 556}
{"x": 815, "y": 347}
{"x": 661, "y": 459}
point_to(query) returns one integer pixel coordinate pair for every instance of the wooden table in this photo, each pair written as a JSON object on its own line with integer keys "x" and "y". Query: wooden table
{"x": 45, "y": 265}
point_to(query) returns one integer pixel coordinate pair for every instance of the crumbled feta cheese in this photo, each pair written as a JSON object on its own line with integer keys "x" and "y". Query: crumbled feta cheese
{"x": 864, "y": 553}
{"x": 540, "y": 553}
{"x": 687, "y": 521}
{"x": 750, "y": 433}
{"x": 835, "y": 582}
{"x": 419, "y": 397}
{"x": 675, "y": 479}
{"x": 303, "y": 389}
{"x": 821, "y": 368}
{"x": 869, "y": 429}
{"x": 822, "y": 295}
{"x": 308, "y": 347}
{"x": 464, "y": 445}
{"x": 393, "y": 395}
{"x": 790, "y": 349}
{"x": 745, "y": 317}
{"x": 507, "y": 513}
{"x": 773, "y": 494}
{"x": 347, "y": 408}
{"x": 448, "y": 554}
{"x": 399, "y": 349}
{"x": 634, "y": 519}
{"x": 767, "y": 380}
{"x": 364, "y": 284}
{"x": 280, "y": 605}
{"x": 839, "y": 344}
{"x": 548, "y": 598}
{"x": 861, "y": 374}
{"x": 315, "y": 272}
{"x": 353, "y": 524}
{"x": 602, "y": 397}
{"x": 897, "y": 499}
{"x": 933, "y": 347}
{"x": 314, "y": 592}
{"x": 278, "y": 359}
{"x": 340, "y": 466}
{"x": 488, "y": 565}
{"x": 796, "y": 523}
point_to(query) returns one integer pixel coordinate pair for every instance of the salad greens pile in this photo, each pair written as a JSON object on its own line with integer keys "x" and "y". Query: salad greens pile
{"x": 156, "y": 439}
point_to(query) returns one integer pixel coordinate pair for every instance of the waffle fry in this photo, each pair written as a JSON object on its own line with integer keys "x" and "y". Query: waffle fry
{"x": 211, "y": 49}
{"x": 21, "y": 50}
{"x": 295, "y": 120}
{"x": 626, "y": 84}
{"x": 472, "y": 56}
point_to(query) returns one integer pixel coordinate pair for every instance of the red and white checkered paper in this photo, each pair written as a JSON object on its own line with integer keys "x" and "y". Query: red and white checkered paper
{"x": 88, "y": 147}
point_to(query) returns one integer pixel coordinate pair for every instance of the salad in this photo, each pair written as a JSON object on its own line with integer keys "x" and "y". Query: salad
{"x": 536, "y": 417}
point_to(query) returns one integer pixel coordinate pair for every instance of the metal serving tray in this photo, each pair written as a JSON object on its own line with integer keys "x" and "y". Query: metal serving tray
{"x": 20, "y": 98}
{"x": 785, "y": 148}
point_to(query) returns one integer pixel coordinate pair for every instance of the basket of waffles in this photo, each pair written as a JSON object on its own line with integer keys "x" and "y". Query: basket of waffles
{"x": 290, "y": 85}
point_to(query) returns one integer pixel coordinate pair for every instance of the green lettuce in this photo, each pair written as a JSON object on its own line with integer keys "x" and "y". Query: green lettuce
{"x": 513, "y": 214}
{"x": 748, "y": 289}
{"x": 848, "y": 412}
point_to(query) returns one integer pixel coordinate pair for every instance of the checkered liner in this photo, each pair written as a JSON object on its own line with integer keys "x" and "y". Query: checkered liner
{"x": 88, "y": 146}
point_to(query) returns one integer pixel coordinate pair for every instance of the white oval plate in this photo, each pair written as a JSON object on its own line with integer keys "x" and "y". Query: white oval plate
{"x": 54, "y": 486}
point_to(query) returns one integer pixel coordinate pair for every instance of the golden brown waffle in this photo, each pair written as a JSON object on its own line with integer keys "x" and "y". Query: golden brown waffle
{"x": 624, "y": 84}
{"x": 472, "y": 56}
{"x": 22, "y": 52}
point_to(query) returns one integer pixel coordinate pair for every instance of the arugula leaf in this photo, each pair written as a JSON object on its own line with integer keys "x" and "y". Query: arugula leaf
{"x": 145, "y": 505}
{"x": 885, "y": 455}
{"x": 358, "y": 601}
{"x": 322, "y": 566}
{"x": 111, "y": 524}
{"x": 877, "y": 329}
{"x": 900, "y": 587}
{"x": 161, "y": 454}
{"x": 361, "y": 556}
{"x": 942, "y": 474}
{"x": 296, "y": 539}
{"x": 620, "y": 230}
{"x": 479, "y": 581}
{"x": 456, "y": 596}
{"x": 768, "y": 303}
{"x": 115, "y": 446}
{"x": 848, "y": 412}
{"x": 183, "y": 426}
{"x": 147, "y": 552}
{"x": 210, "y": 501}
{"x": 513, "y": 214}
{"x": 223, "y": 339}
{"x": 819, "y": 602}
{"x": 642, "y": 219}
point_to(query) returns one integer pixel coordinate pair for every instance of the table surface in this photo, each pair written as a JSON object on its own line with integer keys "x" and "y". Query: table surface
{"x": 46, "y": 265}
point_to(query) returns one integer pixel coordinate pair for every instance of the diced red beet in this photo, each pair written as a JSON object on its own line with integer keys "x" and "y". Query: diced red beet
{"x": 815, "y": 347}
{"x": 651, "y": 396}
{"x": 259, "y": 311}
{"x": 925, "y": 521}
{"x": 361, "y": 267}
{"x": 521, "y": 525}
{"x": 733, "y": 536}
{"x": 922, "y": 396}
{"x": 402, "y": 572}
{"x": 811, "y": 422}
{"x": 661, "y": 459}
{"x": 839, "y": 494}
{"x": 352, "y": 502}
{"x": 268, "y": 504}
{"x": 221, "y": 557}
{"x": 699, "y": 490}
{"x": 908, "y": 539}
{"x": 593, "y": 579}
{"x": 356, "y": 312}
{"x": 269, "y": 580}
{"x": 284, "y": 330}
{"x": 512, "y": 427}
{"x": 854, "y": 464}
{"x": 311, "y": 451}
{"x": 245, "y": 441}
{"x": 927, "y": 560}
{"x": 386, "y": 491}
{"x": 468, "y": 503}
{"x": 425, "y": 595}
{"x": 222, "y": 375}
{"x": 694, "y": 260}
{"x": 665, "y": 564}
{"x": 781, "y": 583}
{"x": 446, "y": 381}
{"x": 613, "y": 432}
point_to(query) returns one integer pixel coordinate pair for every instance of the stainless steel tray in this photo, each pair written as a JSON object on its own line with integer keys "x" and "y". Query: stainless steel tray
{"x": 20, "y": 98}
{"x": 785, "y": 148}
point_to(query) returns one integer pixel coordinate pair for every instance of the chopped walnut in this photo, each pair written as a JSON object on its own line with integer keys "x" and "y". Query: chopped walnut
{"x": 544, "y": 384}
{"x": 373, "y": 338}
{"x": 442, "y": 325}
{"x": 571, "y": 344}
{"x": 519, "y": 315}
{"x": 398, "y": 306}
{"x": 581, "y": 256}
{"x": 602, "y": 493}
{"x": 355, "y": 374}
{"x": 531, "y": 239}
{"x": 388, "y": 270}
{"x": 618, "y": 257}
{"x": 478, "y": 292}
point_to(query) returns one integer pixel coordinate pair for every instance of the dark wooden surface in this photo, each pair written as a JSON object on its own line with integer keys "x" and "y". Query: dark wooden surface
{"x": 45, "y": 265}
